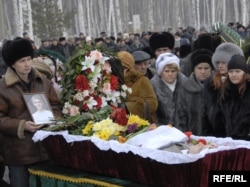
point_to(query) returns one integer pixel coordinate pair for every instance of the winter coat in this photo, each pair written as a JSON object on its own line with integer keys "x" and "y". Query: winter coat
{"x": 142, "y": 93}
{"x": 19, "y": 148}
{"x": 236, "y": 113}
{"x": 167, "y": 99}
{"x": 212, "y": 124}
{"x": 190, "y": 106}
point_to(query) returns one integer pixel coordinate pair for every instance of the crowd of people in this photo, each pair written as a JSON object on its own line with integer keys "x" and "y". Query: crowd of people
{"x": 190, "y": 79}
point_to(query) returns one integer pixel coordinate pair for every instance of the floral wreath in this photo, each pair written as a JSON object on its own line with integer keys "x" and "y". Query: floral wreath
{"x": 92, "y": 98}
{"x": 95, "y": 86}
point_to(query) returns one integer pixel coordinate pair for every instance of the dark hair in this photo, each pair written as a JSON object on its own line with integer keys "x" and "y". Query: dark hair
{"x": 241, "y": 87}
{"x": 117, "y": 68}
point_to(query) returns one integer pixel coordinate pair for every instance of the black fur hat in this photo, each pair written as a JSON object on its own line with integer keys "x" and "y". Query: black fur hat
{"x": 16, "y": 49}
{"x": 208, "y": 41}
{"x": 201, "y": 55}
{"x": 159, "y": 40}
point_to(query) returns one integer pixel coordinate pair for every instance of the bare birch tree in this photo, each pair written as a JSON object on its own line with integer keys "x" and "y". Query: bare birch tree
{"x": 244, "y": 12}
{"x": 16, "y": 16}
{"x": 197, "y": 25}
{"x": 118, "y": 16}
{"x": 81, "y": 26}
{"x": 88, "y": 19}
{"x": 109, "y": 19}
{"x": 235, "y": 10}
{"x": 20, "y": 17}
{"x": 213, "y": 11}
{"x": 150, "y": 15}
{"x": 207, "y": 10}
{"x": 30, "y": 20}
{"x": 193, "y": 14}
{"x": 113, "y": 17}
{"x": 224, "y": 12}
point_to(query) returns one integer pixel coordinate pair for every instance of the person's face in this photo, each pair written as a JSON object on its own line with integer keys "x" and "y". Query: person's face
{"x": 162, "y": 50}
{"x": 63, "y": 42}
{"x": 38, "y": 104}
{"x": 23, "y": 65}
{"x": 89, "y": 42}
{"x": 222, "y": 67}
{"x": 202, "y": 71}
{"x": 54, "y": 42}
{"x": 142, "y": 67}
{"x": 169, "y": 75}
{"x": 236, "y": 75}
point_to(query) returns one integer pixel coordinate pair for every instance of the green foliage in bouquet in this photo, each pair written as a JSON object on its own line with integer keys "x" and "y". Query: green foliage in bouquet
{"x": 91, "y": 90}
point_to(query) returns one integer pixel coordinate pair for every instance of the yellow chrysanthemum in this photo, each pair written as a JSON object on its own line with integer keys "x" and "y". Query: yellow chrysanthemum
{"x": 88, "y": 128}
{"x": 136, "y": 119}
{"x": 106, "y": 128}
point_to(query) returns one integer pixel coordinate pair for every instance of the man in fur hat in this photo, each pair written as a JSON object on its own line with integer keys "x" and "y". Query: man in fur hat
{"x": 161, "y": 43}
{"x": 16, "y": 124}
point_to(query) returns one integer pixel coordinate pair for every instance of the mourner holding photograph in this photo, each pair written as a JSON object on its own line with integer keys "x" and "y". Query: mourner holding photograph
{"x": 19, "y": 150}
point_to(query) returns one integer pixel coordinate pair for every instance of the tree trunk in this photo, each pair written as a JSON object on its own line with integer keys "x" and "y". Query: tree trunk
{"x": 197, "y": 25}
{"x": 80, "y": 17}
{"x": 244, "y": 12}
{"x": 213, "y": 11}
{"x": 113, "y": 17}
{"x": 235, "y": 11}
{"x": 150, "y": 15}
{"x": 88, "y": 20}
{"x": 30, "y": 21}
{"x": 118, "y": 16}
{"x": 110, "y": 18}
{"x": 224, "y": 11}
{"x": 20, "y": 17}
{"x": 16, "y": 16}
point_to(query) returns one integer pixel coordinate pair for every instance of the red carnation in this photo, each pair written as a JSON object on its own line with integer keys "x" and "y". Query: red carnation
{"x": 99, "y": 102}
{"x": 119, "y": 116}
{"x": 114, "y": 82}
{"x": 188, "y": 133}
{"x": 85, "y": 107}
{"x": 203, "y": 141}
{"x": 81, "y": 83}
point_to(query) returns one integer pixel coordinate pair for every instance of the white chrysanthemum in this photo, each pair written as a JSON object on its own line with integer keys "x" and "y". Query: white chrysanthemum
{"x": 79, "y": 96}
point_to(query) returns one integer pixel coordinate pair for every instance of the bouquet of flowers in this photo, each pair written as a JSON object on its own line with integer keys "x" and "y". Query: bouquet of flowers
{"x": 92, "y": 99}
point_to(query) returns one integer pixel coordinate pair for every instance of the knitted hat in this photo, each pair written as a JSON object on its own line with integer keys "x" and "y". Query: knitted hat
{"x": 165, "y": 59}
{"x": 16, "y": 49}
{"x": 88, "y": 38}
{"x": 201, "y": 56}
{"x": 238, "y": 62}
{"x": 140, "y": 56}
{"x": 159, "y": 40}
{"x": 126, "y": 59}
{"x": 224, "y": 53}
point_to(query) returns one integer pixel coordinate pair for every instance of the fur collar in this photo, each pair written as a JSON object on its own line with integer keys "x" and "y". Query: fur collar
{"x": 11, "y": 77}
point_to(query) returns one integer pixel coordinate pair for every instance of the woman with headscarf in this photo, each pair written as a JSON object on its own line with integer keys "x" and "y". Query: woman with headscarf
{"x": 142, "y": 101}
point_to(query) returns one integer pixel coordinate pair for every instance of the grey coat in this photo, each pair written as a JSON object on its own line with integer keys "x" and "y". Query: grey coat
{"x": 190, "y": 106}
{"x": 166, "y": 98}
